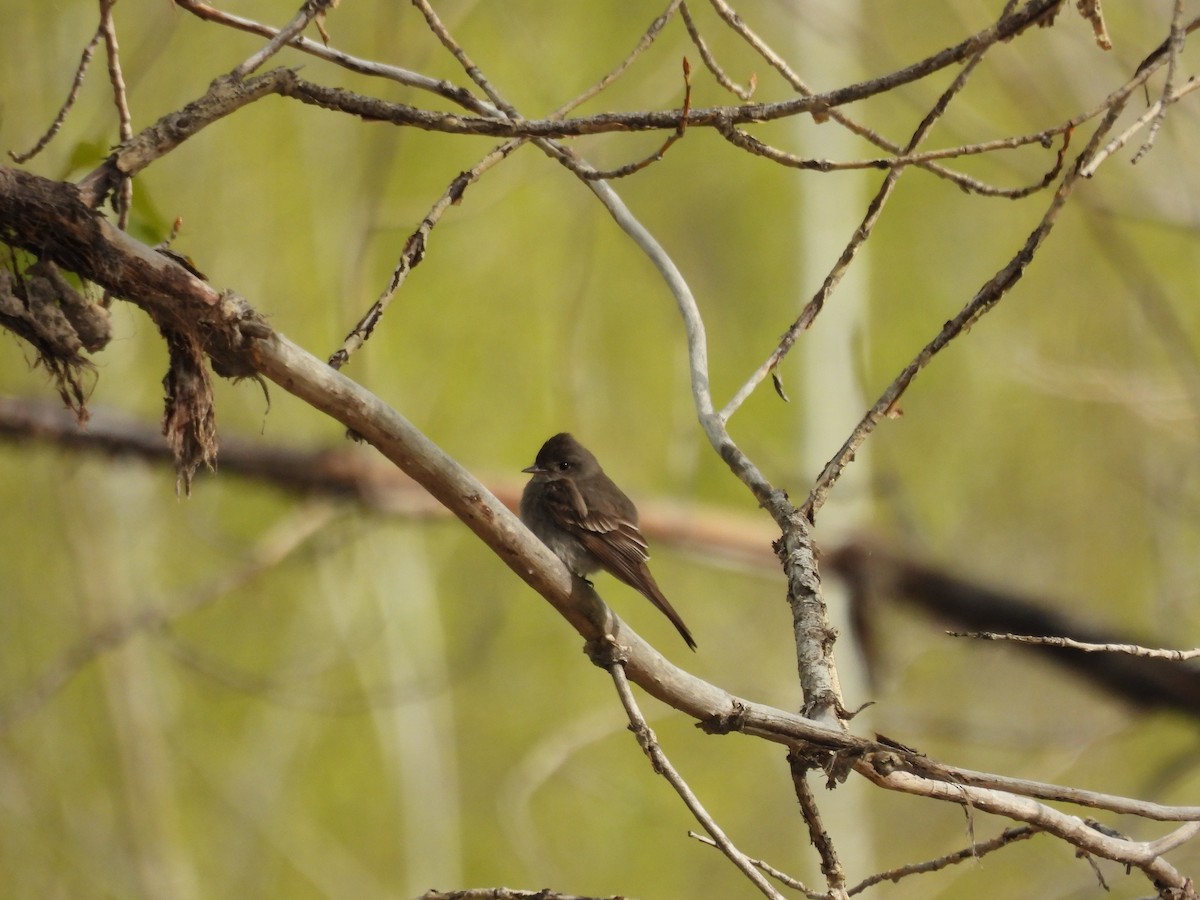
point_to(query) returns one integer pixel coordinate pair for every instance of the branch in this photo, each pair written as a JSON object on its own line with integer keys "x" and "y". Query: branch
{"x": 413, "y": 252}
{"x": 85, "y": 60}
{"x": 1149, "y": 117}
{"x": 1144, "y": 855}
{"x": 309, "y": 10}
{"x": 607, "y": 656}
{"x": 975, "y": 851}
{"x": 873, "y": 571}
{"x": 1082, "y": 646}
{"x": 224, "y": 96}
{"x": 858, "y": 239}
{"x": 831, "y": 865}
{"x": 443, "y": 89}
{"x": 984, "y": 300}
{"x": 121, "y": 100}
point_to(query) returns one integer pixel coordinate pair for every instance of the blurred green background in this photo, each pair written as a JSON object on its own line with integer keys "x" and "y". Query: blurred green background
{"x": 349, "y": 704}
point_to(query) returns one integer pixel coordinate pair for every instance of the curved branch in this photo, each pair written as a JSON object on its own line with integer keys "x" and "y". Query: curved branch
{"x": 1144, "y": 855}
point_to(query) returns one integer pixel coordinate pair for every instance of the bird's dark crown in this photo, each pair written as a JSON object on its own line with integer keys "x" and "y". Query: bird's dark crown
{"x": 562, "y": 454}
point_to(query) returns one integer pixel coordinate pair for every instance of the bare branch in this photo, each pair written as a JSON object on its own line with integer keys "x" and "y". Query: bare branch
{"x": 456, "y": 50}
{"x": 85, "y": 60}
{"x": 831, "y": 867}
{"x": 1143, "y": 855}
{"x": 983, "y": 301}
{"x": 224, "y": 96}
{"x": 414, "y": 251}
{"x": 657, "y": 155}
{"x": 1151, "y": 115}
{"x": 662, "y": 765}
{"x": 309, "y": 10}
{"x": 652, "y": 32}
{"x": 874, "y": 209}
{"x": 1083, "y": 646}
{"x": 710, "y": 61}
{"x": 751, "y": 144}
{"x": 458, "y": 95}
{"x": 121, "y": 100}
{"x": 976, "y": 850}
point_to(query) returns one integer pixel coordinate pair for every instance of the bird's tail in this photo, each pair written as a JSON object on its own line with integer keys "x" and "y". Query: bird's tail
{"x": 649, "y": 589}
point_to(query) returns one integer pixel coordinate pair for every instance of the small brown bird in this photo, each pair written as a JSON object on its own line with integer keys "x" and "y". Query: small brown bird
{"x": 588, "y": 521}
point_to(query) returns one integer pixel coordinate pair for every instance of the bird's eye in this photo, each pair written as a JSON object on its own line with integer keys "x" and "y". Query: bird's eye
{"x": 564, "y": 466}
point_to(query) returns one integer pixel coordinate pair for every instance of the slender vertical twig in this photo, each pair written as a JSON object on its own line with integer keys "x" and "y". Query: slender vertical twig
{"x": 662, "y": 765}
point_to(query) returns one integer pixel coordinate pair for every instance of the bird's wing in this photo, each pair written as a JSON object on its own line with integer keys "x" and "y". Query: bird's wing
{"x": 607, "y": 534}
{"x": 617, "y": 544}
{"x": 613, "y": 538}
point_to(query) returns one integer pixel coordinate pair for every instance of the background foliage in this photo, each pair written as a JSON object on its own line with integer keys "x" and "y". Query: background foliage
{"x": 352, "y": 704}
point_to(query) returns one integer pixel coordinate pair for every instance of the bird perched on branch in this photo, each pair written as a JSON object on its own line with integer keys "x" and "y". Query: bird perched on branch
{"x": 588, "y": 521}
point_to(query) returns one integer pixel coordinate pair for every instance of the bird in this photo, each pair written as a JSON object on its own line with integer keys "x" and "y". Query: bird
{"x": 588, "y": 522}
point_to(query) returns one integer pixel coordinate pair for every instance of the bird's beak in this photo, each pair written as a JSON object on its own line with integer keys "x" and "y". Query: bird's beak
{"x": 534, "y": 470}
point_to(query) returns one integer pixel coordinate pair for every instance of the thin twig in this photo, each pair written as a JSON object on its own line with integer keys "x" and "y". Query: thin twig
{"x": 648, "y": 37}
{"x": 831, "y": 867}
{"x": 455, "y": 94}
{"x": 974, "y": 852}
{"x": 864, "y": 230}
{"x": 1149, "y": 116}
{"x": 662, "y": 766}
{"x": 310, "y": 10}
{"x": 1174, "y": 48}
{"x": 85, "y": 60}
{"x": 657, "y": 155}
{"x": 414, "y": 252}
{"x": 121, "y": 100}
{"x": 751, "y": 144}
{"x": 459, "y": 53}
{"x": 1084, "y": 646}
{"x": 983, "y": 301}
{"x": 710, "y": 61}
